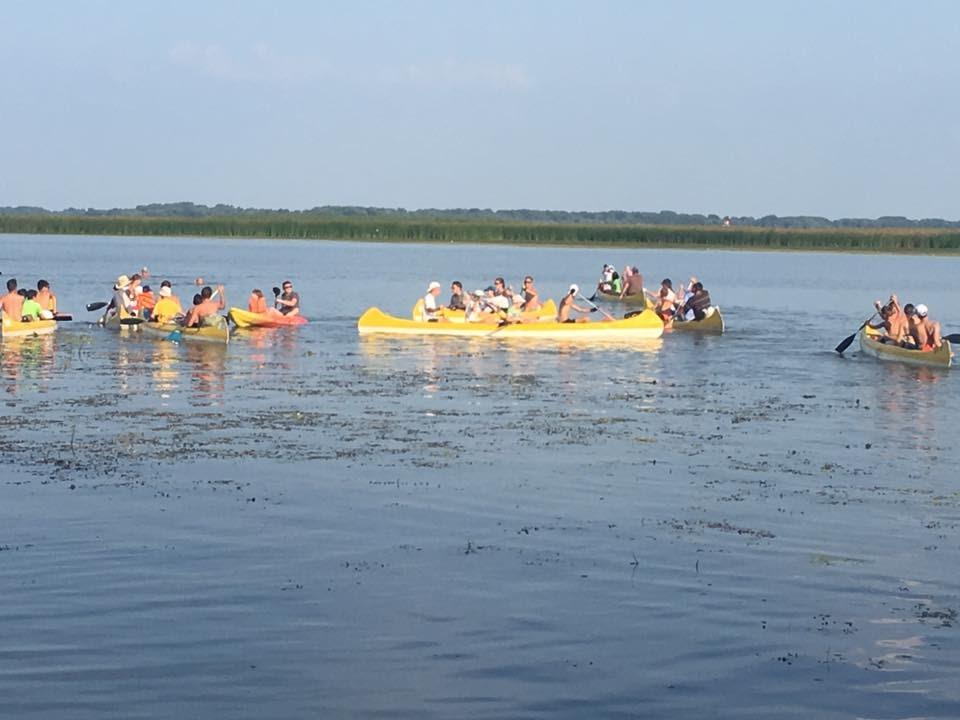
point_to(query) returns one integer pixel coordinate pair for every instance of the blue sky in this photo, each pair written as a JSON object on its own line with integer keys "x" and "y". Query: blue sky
{"x": 842, "y": 109}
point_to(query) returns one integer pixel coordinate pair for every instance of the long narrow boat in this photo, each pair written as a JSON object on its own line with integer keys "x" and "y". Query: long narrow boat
{"x": 17, "y": 328}
{"x": 113, "y": 321}
{"x": 546, "y": 311}
{"x": 712, "y": 323}
{"x": 640, "y": 299}
{"x": 871, "y": 345}
{"x": 246, "y": 319}
{"x": 642, "y": 325}
{"x": 172, "y": 331}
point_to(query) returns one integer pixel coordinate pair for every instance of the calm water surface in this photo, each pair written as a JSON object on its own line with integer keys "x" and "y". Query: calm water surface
{"x": 313, "y": 524}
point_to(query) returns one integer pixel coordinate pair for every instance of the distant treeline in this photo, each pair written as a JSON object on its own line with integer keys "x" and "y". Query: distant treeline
{"x": 389, "y": 228}
{"x": 560, "y": 217}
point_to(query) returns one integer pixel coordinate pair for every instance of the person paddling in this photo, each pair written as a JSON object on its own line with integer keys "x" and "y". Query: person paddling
{"x": 432, "y": 311}
{"x": 531, "y": 298}
{"x": 567, "y": 304}
{"x": 288, "y": 302}
{"x": 206, "y": 311}
{"x": 633, "y": 284}
{"x": 893, "y": 321}
{"x": 666, "y": 300}
{"x": 698, "y": 303}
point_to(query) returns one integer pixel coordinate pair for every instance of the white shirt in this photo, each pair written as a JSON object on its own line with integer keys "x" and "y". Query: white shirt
{"x": 429, "y": 306}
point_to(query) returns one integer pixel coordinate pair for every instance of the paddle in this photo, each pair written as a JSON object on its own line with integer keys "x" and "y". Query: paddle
{"x": 62, "y": 317}
{"x": 848, "y": 341}
{"x": 953, "y": 339}
{"x": 131, "y": 320}
{"x": 96, "y": 306}
{"x": 606, "y": 314}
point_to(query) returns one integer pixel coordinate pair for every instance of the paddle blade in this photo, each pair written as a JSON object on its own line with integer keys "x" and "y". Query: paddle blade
{"x": 62, "y": 317}
{"x": 953, "y": 339}
{"x": 845, "y": 343}
{"x": 592, "y": 298}
{"x": 95, "y": 306}
{"x": 276, "y": 291}
{"x": 175, "y": 336}
{"x": 131, "y": 321}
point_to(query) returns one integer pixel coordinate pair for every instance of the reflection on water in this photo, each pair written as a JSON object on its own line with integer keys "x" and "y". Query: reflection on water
{"x": 165, "y": 367}
{"x": 207, "y": 365}
{"x": 27, "y": 360}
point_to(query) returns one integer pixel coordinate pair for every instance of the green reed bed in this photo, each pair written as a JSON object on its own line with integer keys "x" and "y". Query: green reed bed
{"x": 941, "y": 241}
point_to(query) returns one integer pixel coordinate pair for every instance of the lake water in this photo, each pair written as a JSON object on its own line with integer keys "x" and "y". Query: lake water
{"x": 312, "y": 524}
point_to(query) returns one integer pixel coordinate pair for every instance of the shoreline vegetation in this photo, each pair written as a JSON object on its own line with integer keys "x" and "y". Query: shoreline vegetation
{"x": 397, "y": 228}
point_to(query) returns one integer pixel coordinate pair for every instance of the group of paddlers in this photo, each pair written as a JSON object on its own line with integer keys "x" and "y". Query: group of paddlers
{"x": 27, "y": 304}
{"x": 494, "y": 304}
{"x": 499, "y": 303}
{"x": 908, "y": 326}
{"x": 133, "y": 298}
{"x": 690, "y": 302}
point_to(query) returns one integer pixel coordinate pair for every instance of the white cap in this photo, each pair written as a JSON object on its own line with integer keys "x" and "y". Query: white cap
{"x": 165, "y": 291}
{"x": 574, "y": 289}
{"x": 433, "y": 286}
{"x": 922, "y": 310}
{"x": 122, "y": 282}
{"x": 478, "y": 293}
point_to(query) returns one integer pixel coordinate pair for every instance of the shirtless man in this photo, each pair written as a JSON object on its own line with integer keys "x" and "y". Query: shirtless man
{"x": 531, "y": 298}
{"x": 894, "y": 321}
{"x": 208, "y": 306}
{"x": 633, "y": 284}
{"x": 927, "y": 331}
{"x": 12, "y": 302}
{"x": 567, "y": 304}
{"x": 47, "y": 300}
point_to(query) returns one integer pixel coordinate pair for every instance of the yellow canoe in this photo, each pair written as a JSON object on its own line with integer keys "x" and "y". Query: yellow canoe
{"x": 546, "y": 311}
{"x": 112, "y": 321}
{"x": 17, "y": 328}
{"x": 712, "y": 323}
{"x": 643, "y": 325}
{"x": 204, "y": 333}
{"x": 871, "y": 345}
{"x": 640, "y": 299}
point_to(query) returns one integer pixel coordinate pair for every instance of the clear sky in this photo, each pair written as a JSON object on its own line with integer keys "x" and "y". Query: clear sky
{"x": 841, "y": 108}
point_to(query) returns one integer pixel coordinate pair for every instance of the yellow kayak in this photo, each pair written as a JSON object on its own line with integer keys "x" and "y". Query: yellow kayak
{"x": 642, "y": 325}
{"x": 712, "y": 323}
{"x": 246, "y": 319}
{"x": 546, "y": 311}
{"x": 871, "y": 345}
{"x": 17, "y": 328}
{"x": 172, "y": 331}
